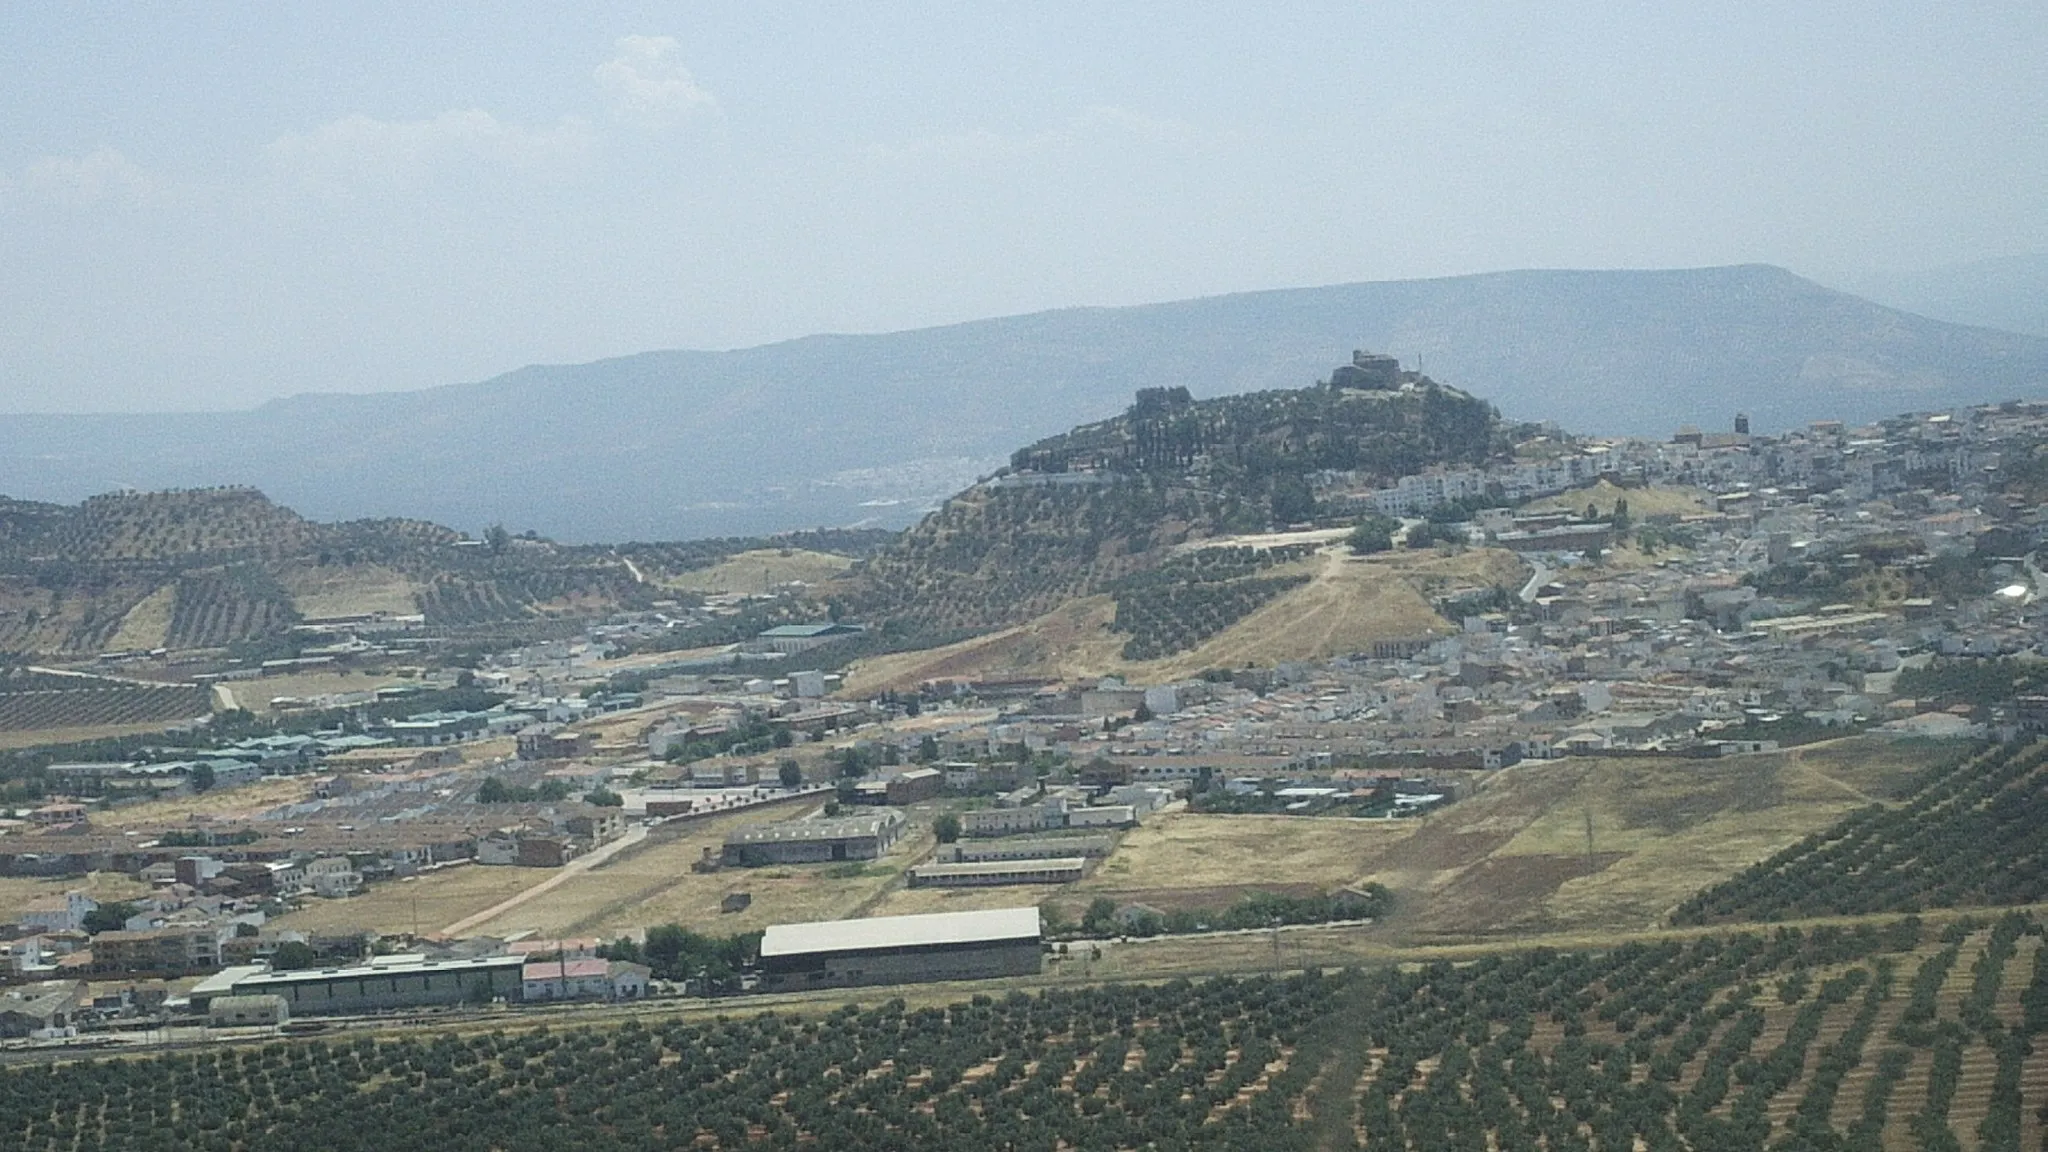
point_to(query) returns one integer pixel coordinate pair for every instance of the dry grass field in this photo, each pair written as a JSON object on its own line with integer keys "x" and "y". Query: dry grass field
{"x": 17, "y": 892}
{"x": 1073, "y": 640}
{"x": 1348, "y": 604}
{"x": 651, "y": 884}
{"x": 763, "y": 570}
{"x": 148, "y": 624}
{"x": 219, "y": 805}
{"x": 256, "y": 695}
{"x": 37, "y": 737}
{"x": 1642, "y": 502}
{"x": 1507, "y": 862}
{"x": 1187, "y": 850}
{"x": 428, "y": 901}
{"x": 349, "y": 590}
{"x": 1514, "y": 858}
{"x": 1181, "y": 859}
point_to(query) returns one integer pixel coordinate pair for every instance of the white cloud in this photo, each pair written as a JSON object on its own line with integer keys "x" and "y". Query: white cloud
{"x": 363, "y": 153}
{"x": 646, "y": 85}
{"x": 98, "y": 177}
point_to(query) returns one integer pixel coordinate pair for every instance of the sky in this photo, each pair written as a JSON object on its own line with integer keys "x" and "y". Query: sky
{"x": 206, "y": 205}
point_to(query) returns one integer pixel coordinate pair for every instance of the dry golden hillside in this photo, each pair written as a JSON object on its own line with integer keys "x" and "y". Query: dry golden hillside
{"x": 1348, "y": 603}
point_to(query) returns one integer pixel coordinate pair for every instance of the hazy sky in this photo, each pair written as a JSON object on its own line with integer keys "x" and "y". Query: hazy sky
{"x": 205, "y": 205}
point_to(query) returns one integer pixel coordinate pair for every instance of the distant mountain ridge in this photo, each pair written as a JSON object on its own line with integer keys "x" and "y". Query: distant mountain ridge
{"x": 831, "y": 430}
{"x": 2008, "y": 292}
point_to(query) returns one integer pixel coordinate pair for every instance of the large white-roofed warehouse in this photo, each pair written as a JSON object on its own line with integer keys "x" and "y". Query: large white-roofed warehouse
{"x": 902, "y": 949}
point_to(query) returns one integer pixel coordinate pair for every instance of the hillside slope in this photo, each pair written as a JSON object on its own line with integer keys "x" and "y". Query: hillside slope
{"x": 2007, "y": 292}
{"x": 1103, "y": 508}
{"x": 842, "y": 429}
{"x": 218, "y": 567}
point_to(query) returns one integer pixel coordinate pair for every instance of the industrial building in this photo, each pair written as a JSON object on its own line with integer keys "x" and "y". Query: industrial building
{"x": 901, "y": 949}
{"x": 1011, "y": 821}
{"x": 789, "y": 639}
{"x": 1103, "y": 816}
{"x": 1046, "y": 848}
{"x": 269, "y": 1010}
{"x": 915, "y": 785}
{"x": 993, "y": 873}
{"x": 39, "y": 1008}
{"x": 390, "y": 983}
{"x": 862, "y": 837}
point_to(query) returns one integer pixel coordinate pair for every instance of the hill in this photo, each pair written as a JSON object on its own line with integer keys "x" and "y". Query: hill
{"x": 1109, "y": 507}
{"x": 2007, "y": 292}
{"x": 228, "y": 567}
{"x": 844, "y": 429}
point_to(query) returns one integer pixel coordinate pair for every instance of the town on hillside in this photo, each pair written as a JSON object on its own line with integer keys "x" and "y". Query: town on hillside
{"x": 725, "y": 784}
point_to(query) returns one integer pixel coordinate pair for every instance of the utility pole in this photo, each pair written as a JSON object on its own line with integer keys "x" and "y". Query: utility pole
{"x": 1589, "y": 839}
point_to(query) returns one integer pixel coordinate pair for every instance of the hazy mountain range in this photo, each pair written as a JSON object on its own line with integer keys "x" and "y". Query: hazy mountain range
{"x": 2009, "y": 292}
{"x": 832, "y": 430}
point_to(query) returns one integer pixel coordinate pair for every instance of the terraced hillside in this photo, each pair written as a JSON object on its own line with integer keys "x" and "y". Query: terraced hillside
{"x": 213, "y": 568}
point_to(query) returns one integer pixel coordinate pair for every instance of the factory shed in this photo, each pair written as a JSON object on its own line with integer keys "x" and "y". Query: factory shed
{"x": 382, "y": 987}
{"x": 815, "y": 841}
{"x": 992, "y": 873}
{"x": 902, "y": 949}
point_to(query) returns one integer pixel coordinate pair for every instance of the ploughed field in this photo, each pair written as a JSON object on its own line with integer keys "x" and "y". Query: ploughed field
{"x": 1869, "y": 1037}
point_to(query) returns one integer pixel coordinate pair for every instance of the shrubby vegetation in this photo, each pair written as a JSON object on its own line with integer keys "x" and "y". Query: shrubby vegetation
{"x": 496, "y": 791}
{"x": 1979, "y": 683}
{"x": 709, "y": 965}
{"x": 1254, "y": 910}
{"x": 1374, "y": 534}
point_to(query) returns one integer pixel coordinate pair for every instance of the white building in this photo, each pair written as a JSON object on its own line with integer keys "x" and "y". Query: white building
{"x": 588, "y": 979}
{"x": 64, "y": 913}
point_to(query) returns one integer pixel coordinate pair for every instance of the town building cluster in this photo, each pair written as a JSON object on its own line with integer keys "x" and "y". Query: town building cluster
{"x": 1792, "y": 595}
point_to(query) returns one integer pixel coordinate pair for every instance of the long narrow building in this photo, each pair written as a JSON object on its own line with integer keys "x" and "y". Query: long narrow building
{"x": 902, "y": 949}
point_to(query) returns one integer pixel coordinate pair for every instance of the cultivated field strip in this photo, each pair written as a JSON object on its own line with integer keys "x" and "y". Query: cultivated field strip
{"x": 1765, "y": 1043}
{"x": 108, "y": 704}
{"x": 1866, "y": 1038}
